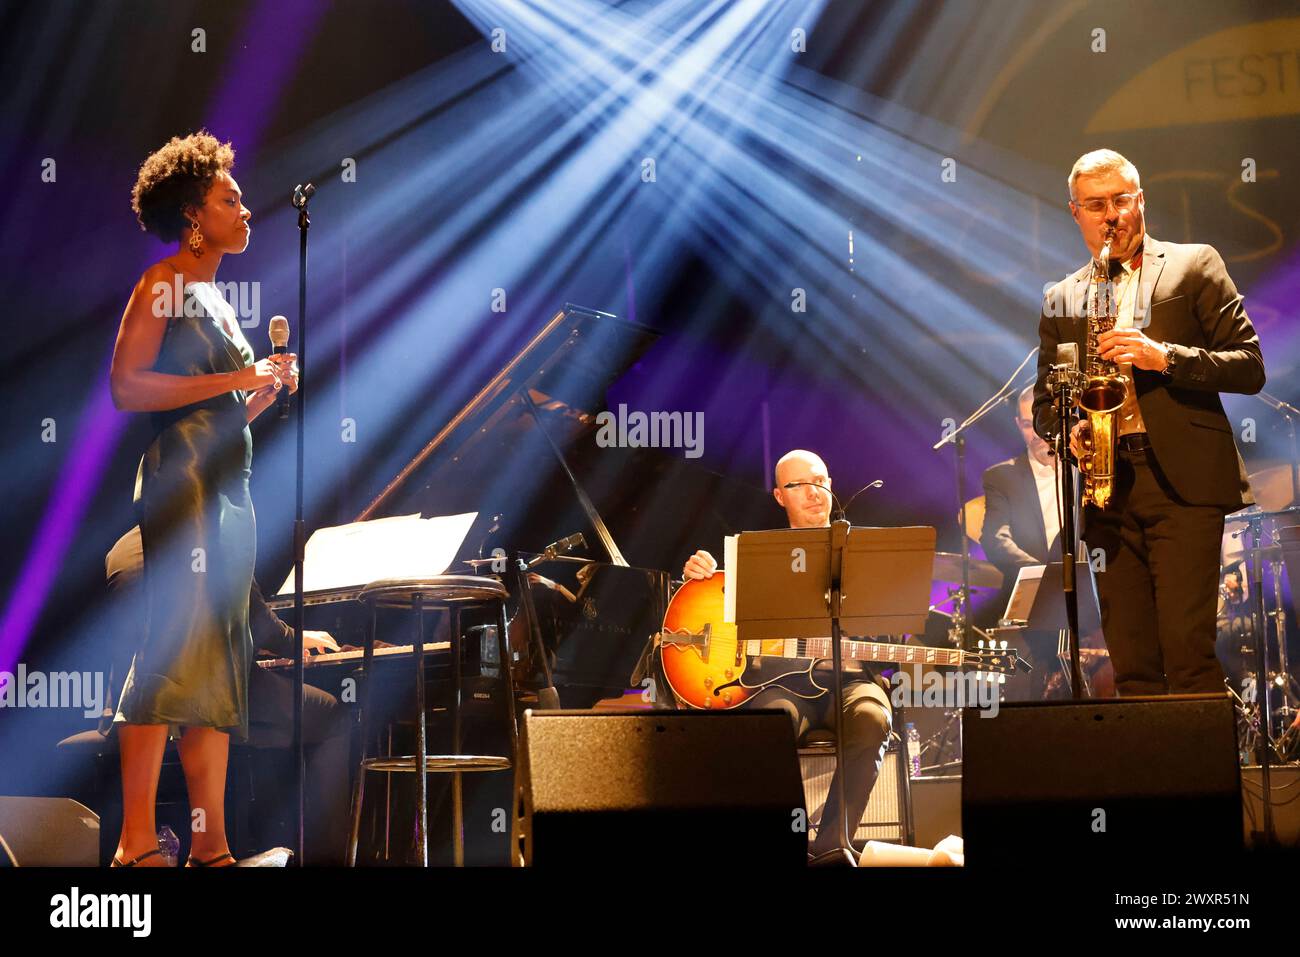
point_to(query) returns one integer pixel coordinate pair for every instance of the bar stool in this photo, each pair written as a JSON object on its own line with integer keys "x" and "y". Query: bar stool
{"x": 454, "y": 594}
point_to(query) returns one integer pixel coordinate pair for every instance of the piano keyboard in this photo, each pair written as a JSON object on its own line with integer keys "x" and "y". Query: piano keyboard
{"x": 340, "y": 657}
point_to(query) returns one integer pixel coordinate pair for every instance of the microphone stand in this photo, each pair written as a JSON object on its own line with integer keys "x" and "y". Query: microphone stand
{"x": 1263, "y": 685}
{"x": 957, "y": 438}
{"x": 1063, "y": 382}
{"x": 842, "y": 853}
{"x": 301, "y": 196}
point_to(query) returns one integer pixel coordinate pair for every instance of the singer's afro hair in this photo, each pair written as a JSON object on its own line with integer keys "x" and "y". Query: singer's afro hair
{"x": 175, "y": 177}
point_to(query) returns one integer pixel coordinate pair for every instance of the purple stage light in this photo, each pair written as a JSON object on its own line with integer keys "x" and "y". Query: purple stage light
{"x": 96, "y": 436}
{"x": 274, "y": 38}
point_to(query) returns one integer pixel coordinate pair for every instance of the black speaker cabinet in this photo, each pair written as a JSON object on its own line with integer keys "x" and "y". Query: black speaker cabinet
{"x": 667, "y": 788}
{"x": 1091, "y": 782}
{"x": 47, "y": 832}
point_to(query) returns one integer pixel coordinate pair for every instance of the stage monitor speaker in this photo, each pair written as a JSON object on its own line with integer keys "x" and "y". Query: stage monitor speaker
{"x": 47, "y": 832}
{"x": 665, "y": 788}
{"x": 1102, "y": 780}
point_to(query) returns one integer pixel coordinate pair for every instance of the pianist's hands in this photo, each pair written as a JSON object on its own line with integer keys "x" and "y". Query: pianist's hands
{"x": 316, "y": 642}
{"x": 700, "y": 565}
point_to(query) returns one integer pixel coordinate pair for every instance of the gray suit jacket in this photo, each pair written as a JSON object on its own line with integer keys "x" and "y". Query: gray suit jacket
{"x": 1188, "y": 299}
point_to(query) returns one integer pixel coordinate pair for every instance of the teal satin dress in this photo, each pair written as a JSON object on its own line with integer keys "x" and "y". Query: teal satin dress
{"x": 199, "y": 535}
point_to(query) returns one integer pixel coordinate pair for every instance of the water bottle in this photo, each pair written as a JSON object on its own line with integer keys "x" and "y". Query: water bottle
{"x": 914, "y": 749}
{"x": 170, "y": 845}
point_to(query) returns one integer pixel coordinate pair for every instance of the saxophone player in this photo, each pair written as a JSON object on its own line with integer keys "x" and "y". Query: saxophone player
{"x": 1181, "y": 336}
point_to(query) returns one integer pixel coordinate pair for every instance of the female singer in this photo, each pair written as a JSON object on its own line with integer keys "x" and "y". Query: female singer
{"x": 181, "y": 356}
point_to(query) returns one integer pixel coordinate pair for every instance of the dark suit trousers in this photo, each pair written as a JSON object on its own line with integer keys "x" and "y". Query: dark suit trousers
{"x": 1159, "y": 589}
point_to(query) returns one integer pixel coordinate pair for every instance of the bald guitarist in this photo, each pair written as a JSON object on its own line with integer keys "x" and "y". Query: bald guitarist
{"x": 803, "y": 490}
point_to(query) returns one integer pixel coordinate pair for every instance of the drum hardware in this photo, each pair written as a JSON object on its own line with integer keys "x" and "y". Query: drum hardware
{"x": 1254, "y": 519}
{"x": 957, "y": 621}
{"x": 1254, "y": 523}
{"x": 1246, "y": 706}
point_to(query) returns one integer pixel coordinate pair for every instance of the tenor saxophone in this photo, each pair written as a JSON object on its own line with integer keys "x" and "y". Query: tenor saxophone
{"x": 1103, "y": 391}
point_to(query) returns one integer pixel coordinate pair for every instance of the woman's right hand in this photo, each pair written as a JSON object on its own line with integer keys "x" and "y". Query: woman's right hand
{"x": 262, "y": 373}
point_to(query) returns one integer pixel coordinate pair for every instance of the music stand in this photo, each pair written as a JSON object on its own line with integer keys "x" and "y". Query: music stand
{"x": 1038, "y": 598}
{"x": 801, "y": 582}
{"x": 1038, "y": 603}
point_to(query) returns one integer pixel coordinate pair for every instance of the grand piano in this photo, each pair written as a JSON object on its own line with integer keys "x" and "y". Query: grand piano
{"x": 581, "y": 627}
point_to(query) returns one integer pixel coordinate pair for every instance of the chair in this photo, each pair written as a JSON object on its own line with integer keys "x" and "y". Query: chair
{"x": 453, "y": 594}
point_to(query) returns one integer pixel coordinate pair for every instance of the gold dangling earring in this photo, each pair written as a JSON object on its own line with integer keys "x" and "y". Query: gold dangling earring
{"x": 196, "y": 241}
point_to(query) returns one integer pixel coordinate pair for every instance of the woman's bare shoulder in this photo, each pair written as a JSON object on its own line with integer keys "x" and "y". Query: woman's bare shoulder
{"x": 161, "y": 271}
{"x": 160, "y": 284}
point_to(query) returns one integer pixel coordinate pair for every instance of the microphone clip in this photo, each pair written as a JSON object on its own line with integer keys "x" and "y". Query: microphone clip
{"x": 302, "y": 195}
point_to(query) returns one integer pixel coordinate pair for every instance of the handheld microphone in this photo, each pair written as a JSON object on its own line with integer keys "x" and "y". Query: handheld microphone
{"x": 279, "y": 332}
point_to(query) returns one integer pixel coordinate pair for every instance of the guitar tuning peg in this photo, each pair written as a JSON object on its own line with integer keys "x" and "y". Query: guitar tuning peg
{"x": 1004, "y": 644}
{"x": 981, "y": 643}
{"x": 1002, "y": 679}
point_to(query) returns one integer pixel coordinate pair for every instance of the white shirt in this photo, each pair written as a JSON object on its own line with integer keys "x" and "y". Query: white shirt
{"x": 1126, "y": 293}
{"x": 1045, "y": 479}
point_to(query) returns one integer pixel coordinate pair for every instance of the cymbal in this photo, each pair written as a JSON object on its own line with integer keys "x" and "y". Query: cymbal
{"x": 1236, "y": 523}
{"x": 1267, "y": 553}
{"x": 1272, "y": 487}
{"x": 947, "y": 568}
{"x": 974, "y": 518}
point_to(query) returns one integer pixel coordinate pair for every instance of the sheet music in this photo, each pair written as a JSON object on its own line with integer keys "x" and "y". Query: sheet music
{"x": 1021, "y": 599}
{"x": 729, "y": 562}
{"x": 404, "y": 546}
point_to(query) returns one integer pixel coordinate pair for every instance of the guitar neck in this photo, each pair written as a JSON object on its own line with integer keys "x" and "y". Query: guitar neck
{"x": 876, "y": 651}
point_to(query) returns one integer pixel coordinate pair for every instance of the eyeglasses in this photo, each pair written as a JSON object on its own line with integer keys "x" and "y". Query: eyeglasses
{"x": 1122, "y": 203}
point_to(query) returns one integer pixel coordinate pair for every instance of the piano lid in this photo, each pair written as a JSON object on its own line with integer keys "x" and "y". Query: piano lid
{"x": 538, "y": 404}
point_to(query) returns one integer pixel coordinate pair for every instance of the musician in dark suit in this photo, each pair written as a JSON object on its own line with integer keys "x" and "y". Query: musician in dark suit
{"x": 1182, "y": 337}
{"x": 1022, "y": 526}
{"x": 867, "y": 710}
{"x": 1020, "y": 500}
{"x": 1019, "y": 503}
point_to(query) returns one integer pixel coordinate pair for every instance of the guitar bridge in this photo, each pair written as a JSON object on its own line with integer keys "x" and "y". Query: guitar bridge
{"x": 687, "y": 639}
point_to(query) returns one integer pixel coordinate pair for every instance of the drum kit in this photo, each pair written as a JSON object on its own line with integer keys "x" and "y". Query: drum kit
{"x": 1262, "y": 545}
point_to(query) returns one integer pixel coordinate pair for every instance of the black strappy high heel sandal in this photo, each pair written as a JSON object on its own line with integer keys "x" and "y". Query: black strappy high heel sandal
{"x": 213, "y": 861}
{"x": 132, "y": 863}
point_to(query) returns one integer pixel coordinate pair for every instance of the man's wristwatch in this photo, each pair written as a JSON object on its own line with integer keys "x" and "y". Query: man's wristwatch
{"x": 1171, "y": 356}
